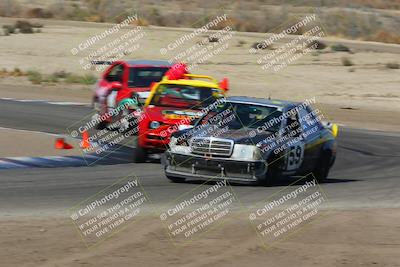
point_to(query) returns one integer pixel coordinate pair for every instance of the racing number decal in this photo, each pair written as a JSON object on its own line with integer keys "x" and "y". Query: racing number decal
{"x": 295, "y": 157}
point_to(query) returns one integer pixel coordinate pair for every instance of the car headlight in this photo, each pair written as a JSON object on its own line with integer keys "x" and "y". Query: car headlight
{"x": 175, "y": 146}
{"x": 173, "y": 141}
{"x": 257, "y": 153}
{"x": 246, "y": 152}
{"x": 154, "y": 125}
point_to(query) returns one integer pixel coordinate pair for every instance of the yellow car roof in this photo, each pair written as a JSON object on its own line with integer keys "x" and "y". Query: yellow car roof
{"x": 198, "y": 83}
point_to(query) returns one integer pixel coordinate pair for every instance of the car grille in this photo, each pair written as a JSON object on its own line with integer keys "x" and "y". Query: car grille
{"x": 212, "y": 146}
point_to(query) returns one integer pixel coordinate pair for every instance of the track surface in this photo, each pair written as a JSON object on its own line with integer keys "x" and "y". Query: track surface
{"x": 366, "y": 173}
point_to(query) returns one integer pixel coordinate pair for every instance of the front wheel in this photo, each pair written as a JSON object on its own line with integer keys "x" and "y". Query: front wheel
{"x": 176, "y": 179}
{"x": 269, "y": 178}
{"x": 141, "y": 154}
{"x": 321, "y": 171}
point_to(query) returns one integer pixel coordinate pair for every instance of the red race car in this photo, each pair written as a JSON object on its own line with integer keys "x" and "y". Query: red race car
{"x": 130, "y": 79}
{"x": 174, "y": 103}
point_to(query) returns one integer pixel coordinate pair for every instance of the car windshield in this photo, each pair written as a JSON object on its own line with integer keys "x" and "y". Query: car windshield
{"x": 185, "y": 96}
{"x": 244, "y": 116}
{"x": 144, "y": 76}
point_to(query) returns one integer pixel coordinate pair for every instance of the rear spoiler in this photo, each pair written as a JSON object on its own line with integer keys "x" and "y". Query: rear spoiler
{"x": 101, "y": 62}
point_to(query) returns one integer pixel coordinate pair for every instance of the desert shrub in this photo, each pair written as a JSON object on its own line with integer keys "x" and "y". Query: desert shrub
{"x": 347, "y": 62}
{"x": 141, "y": 22}
{"x": 24, "y": 26}
{"x": 260, "y": 45}
{"x": 392, "y": 65}
{"x": 38, "y": 12}
{"x": 37, "y": 25}
{"x": 35, "y": 77}
{"x": 9, "y": 28}
{"x": 89, "y": 79}
{"x": 340, "y": 48}
{"x": 241, "y": 43}
{"x": 85, "y": 79}
{"x": 60, "y": 74}
{"x": 5, "y": 33}
{"x": 213, "y": 39}
{"x": 51, "y": 78}
{"x": 73, "y": 78}
{"x": 318, "y": 45}
{"x": 385, "y": 37}
{"x": 3, "y": 72}
{"x": 77, "y": 13}
{"x": 17, "y": 72}
{"x": 95, "y": 18}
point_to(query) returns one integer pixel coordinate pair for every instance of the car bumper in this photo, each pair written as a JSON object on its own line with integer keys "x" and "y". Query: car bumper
{"x": 200, "y": 168}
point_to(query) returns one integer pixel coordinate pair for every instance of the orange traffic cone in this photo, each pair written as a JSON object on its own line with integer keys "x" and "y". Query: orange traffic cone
{"x": 85, "y": 140}
{"x": 61, "y": 144}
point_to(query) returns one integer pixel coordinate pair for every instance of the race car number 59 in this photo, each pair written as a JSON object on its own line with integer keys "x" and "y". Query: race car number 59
{"x": 295, "y": 157}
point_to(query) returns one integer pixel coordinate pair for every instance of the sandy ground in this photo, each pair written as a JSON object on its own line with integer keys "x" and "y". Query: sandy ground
{"x": 19, "y": 143}
{"x": 24, "y": 89}
{"x": 342, "y": 238}
{"x": 365, "y": 95}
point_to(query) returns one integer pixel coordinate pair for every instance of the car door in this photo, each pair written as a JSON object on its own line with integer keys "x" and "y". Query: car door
{"x": 311, "y": 128}
{"x": 294, "y": 144}
{"x": 116, "y": 74}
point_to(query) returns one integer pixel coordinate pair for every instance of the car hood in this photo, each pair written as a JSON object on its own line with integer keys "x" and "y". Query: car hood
{"x": 241, "y": 136}
{"x": 172, "y": 115}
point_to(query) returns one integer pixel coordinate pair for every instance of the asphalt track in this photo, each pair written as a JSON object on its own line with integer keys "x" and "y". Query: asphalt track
{"x": 366, "y": 173}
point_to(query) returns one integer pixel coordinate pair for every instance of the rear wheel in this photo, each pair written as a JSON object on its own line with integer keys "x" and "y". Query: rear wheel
{"x": 141, "y": 153}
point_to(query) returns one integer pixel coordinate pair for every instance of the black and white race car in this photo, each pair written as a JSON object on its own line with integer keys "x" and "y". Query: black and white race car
{"x": 253, "y": 140}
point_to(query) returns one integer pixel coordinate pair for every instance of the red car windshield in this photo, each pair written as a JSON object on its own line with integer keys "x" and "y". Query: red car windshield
{"x": 185, "y": 96}
{"x": 144, "y": 76}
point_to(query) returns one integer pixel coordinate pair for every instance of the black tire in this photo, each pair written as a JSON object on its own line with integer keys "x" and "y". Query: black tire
{"x": 269, "y": 178}
{"x": 176, "y": 179}
{"x": 141, "y": 154}
{"x": 101, "y": 125}
{"x": 321, "y": 170}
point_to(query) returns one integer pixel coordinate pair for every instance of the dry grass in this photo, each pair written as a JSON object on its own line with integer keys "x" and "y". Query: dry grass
{"x": 385, "y": 37}
{"x": 346, "y": 62}
{"x": 360, "y": 19}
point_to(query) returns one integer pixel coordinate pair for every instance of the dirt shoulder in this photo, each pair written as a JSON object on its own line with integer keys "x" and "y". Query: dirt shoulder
{"x": 21, "y": 88}
{"x": 343, "y": 238}
{"x": 21, "y": 143}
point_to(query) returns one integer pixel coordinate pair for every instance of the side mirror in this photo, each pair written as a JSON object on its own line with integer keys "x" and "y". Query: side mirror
{"x": 116, "y": 85}
{"x": 224, "y": 84}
